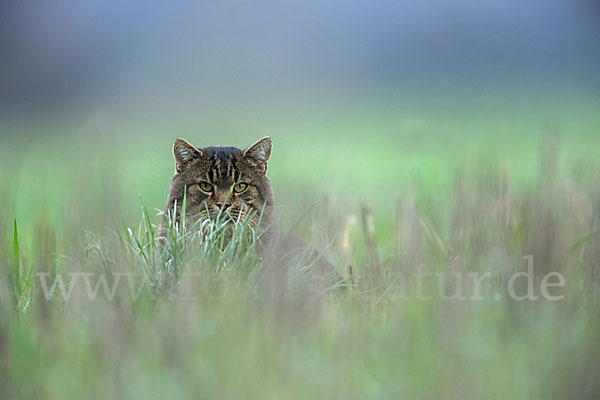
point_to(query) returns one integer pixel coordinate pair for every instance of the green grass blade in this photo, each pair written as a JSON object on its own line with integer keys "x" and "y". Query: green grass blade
{"x": 16, "y": 258}
{"x": 183, "y": 211}
{"x": 149, "y": 230}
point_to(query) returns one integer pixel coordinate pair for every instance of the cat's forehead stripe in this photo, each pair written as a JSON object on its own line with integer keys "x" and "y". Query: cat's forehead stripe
{"x": 213, "y": 168}
{"x": 222, "y": 163}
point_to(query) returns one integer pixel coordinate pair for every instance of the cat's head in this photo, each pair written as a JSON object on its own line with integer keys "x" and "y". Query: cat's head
{"x": 223, "y": 180}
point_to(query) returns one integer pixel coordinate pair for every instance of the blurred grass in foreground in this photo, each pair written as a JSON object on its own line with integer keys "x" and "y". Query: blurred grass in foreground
{"x": 391, "y": 201}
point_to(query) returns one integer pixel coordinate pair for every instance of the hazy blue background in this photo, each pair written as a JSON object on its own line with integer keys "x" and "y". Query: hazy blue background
{"x": 74, "y": 58}
{"x": 453, "y": 135}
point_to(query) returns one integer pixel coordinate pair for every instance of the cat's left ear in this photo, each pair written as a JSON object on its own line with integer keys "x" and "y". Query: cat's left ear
{"x": 184, "y": 152}
{"x": 258, "y": 154}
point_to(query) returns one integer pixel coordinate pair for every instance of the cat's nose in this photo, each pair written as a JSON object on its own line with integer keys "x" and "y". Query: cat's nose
{"x": 223, "y": 204}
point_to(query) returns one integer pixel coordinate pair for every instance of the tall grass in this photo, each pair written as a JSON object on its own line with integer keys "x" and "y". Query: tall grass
{"x": 207, "y": 318}
{"x": 21, "y": 277}
{"x": 211, "y": 246}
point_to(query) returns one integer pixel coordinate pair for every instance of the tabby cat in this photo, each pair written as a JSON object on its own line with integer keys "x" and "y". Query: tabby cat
{"x": 222, "y": 181}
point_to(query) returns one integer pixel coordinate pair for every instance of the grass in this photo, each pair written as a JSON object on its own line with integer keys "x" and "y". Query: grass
{"x": 200, "y": 318}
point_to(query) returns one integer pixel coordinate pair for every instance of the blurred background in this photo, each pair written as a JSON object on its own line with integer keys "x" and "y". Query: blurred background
{"x": 381, "y": 91}
{"x": 451, "y": 135}
{"x": 155, "y": 58}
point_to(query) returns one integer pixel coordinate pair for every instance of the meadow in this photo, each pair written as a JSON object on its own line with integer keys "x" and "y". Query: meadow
{"x": 390, "y": 193}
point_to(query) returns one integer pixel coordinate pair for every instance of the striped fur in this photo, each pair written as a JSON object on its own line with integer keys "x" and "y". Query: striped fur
{"x": 222, "y": 168}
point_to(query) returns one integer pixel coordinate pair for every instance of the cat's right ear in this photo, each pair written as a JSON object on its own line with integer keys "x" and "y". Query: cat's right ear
{"x": 258, "y": 154}
{"x": 184, "y": 152}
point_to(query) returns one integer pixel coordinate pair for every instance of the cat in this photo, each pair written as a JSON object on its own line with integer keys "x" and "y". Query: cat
{"x": 225, "y": 180}
{"x": 222, "y": 181}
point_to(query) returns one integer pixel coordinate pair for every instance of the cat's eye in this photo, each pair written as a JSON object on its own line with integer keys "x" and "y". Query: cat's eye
{"x": 240, "y": 187}
{"x": 206, "y": 187}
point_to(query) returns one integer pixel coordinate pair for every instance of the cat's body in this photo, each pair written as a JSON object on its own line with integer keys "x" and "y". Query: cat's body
{"x": 229, "y": 181}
